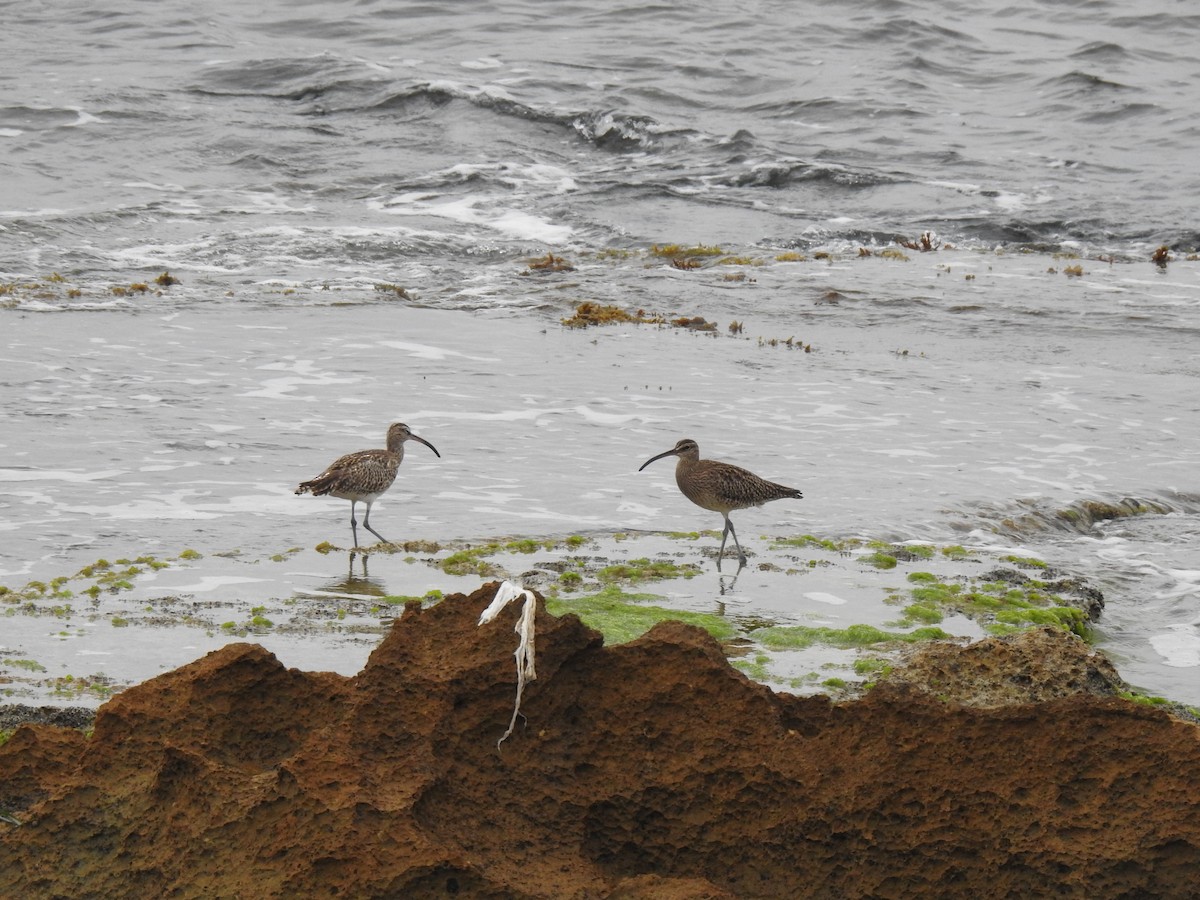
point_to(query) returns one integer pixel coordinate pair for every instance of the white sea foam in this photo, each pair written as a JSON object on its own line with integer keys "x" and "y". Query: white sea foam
{"x": 601, "y": 418}
{"x": 84, "y": 118}
{"x": 509, "y": 415}
{"x": 823, "y": 597}
{"x": 960, "y": 186}
{"x": 428, "y": 351}
{"x": 499, "y": 514}
{"x": 58, "y": 475}
{"x": 1179, "y": 648}
{"x": 480, "y": 211}
{"x": 214, "y": 582}
{"x": 306, "y": 374}
{"x": 482, "y": 62}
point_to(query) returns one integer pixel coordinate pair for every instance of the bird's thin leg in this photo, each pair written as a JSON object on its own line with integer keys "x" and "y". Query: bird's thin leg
{"x": 353, "y": 524}
{"x": 724, "y": 535}
{"x": 741, "y": 555}
{"x": 366, "y": 525}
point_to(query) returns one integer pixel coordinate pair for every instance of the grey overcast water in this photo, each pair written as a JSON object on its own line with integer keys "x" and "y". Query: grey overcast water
{"x": 287, "y": 162}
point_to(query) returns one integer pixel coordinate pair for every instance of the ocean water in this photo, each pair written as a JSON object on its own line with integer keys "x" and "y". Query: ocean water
{"x": 293, "y": 164}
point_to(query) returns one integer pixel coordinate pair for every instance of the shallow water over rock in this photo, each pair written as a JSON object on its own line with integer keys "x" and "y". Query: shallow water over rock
{"x": 184, "y": 421}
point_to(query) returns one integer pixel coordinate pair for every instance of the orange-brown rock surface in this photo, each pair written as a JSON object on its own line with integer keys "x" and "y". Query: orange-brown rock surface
{"x": 649, "y": 769}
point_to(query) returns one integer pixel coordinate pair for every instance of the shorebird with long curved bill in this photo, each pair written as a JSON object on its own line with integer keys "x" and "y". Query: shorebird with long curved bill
{"x": 364, "y": 476}
{"x": 721, "y": 487}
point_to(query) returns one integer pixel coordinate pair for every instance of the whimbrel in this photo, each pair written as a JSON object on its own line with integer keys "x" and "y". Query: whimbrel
{"x": 721, "y": 487}
{"x": 364, "y": 475}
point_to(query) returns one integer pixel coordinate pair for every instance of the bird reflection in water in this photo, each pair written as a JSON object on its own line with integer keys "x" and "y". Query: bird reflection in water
{"x": 361, "y": 585}
{"x": 726, "y": 584}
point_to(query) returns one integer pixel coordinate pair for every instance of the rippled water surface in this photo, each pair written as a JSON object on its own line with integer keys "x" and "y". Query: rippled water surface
{"x": 352, "y": 198}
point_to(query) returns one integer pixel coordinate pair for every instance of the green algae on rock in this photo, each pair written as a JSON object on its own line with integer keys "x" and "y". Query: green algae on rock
{"x": 1002, "y": 600}
{"x": 644, "y": 569}
{"x": 799, "y": 637}
{"x": 622, "y": 616}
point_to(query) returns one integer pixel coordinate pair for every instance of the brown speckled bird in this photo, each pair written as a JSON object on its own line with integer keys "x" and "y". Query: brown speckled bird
{"x": 721, "y": 487}
{"x": 365, "y": 475}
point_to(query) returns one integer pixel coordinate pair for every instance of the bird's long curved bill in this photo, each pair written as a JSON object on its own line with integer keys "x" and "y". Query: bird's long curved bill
{"x": 655, "y": 458}
{"x": 426, "y": 443}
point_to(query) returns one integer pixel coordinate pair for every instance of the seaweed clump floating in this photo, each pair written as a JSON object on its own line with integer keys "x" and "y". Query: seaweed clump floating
{"x": 546, "y": 264}
{"x": 925, "y": 244}
{"x": 589, "y": 313}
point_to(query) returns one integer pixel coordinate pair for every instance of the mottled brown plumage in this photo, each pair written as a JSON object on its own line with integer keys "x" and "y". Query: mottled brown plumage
{"x": 364, "y": 475}
{"x": 721, "y": 487}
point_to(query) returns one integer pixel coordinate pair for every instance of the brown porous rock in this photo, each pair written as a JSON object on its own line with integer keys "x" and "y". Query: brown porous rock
{"x": 646, "y": 770}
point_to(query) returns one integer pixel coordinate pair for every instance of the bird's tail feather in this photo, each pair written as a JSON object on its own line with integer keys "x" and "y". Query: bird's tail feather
{"x": 318, "y": 487}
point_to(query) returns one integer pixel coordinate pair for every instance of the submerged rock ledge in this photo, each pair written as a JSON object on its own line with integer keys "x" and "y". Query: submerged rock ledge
{"x": 647, "y": 769}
